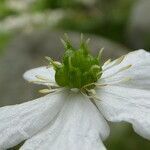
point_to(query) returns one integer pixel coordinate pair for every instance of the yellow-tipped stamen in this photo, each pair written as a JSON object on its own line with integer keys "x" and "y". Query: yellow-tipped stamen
{"x": 125, "y": 68}
{"x": 49, "y": 84}
{"x": 103, "y": 84}
{"x": 115, "y": 62}
{"x": 96, "y": 84}
{"x": 44, "y": 91}
{"x": 39, "y": 81}
{"x": 54, "y": 63}
{"x": 107, "y": 62}
{"x": 87, "y": 85}
{"x": 42, "y": 78}
{"x": 113, "y": 83}
{"x": 120, "y": 70}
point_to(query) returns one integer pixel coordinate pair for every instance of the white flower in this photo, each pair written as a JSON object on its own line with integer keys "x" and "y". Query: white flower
{"x": 70, "y": 120}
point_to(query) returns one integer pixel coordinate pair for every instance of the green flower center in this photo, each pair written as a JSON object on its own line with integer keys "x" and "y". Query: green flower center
{"x": 78, "y": 67}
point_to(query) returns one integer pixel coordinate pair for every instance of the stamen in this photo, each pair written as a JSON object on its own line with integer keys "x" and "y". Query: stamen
{"x": 96, "y": 84}
{"x": 42, "y": 78}
{"x": 115, "y": 62}
{"x": 107, "y": 62}
{"x": 112, "y": 83}
{"x": 87, "y": 85}
{"x": 39, "y": 81}
{"x": 92, "y": 91}
{"x": 120, "y": 70}
{"x": 125, "y": 68}
{"x": 49, "y": 84}
{"x": 55, "y": 64}
{"x": 46, "y": 91}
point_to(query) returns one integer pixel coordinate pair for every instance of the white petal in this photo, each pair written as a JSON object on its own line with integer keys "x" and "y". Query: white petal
{"x": 41, "y": 72}
{"x": 20, "y": 122}
{"x": 126, "y": 104}
{"x": 139, "y": 72}
{"x": 79, "y": 126}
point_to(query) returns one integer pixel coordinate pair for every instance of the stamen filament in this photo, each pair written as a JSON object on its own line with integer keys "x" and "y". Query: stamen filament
{"x": 107, "y": 62}
{"x": 49, "y": 84}
{"x": 42, "y": 78}
{"x": 87, "y": 85}
{"x": 120, "y": 70}
{"x": 116, "y": 62}
{"x": 46, "y": 91}
{"x": 38, "y": 81}
{"x": 112, "y": 83}
{"x": 55, "y": 64}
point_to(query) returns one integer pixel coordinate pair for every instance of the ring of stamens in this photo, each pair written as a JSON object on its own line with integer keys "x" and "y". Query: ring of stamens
{"x": 80, "y": 70}
{"x": 90, "y": 93}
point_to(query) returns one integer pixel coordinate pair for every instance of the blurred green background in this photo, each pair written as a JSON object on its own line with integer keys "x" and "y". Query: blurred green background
{"x": 125, "y": 22}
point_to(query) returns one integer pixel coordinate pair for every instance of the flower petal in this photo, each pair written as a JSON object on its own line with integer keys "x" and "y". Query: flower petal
{"x": 41, "y": 75}
{"x": 139, "y": 72}
{"x": 126, "y": 104}
{"x": 20, "y": 122}
{"x": 79, "y": 126}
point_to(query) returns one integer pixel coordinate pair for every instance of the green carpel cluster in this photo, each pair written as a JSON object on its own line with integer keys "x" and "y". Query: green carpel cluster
{"x": 78, "y": 67}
